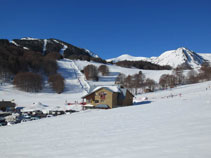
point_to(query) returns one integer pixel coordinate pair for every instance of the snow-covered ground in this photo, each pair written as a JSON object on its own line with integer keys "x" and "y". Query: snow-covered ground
{"x": 162, "y": 127}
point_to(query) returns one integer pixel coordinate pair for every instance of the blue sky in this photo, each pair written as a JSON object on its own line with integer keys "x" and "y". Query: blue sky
{"x": 112, "y": 27}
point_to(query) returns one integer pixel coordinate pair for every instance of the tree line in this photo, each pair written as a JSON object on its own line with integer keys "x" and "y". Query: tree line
{"x": 142, "y": 65}
{"x": 138, "y": 82}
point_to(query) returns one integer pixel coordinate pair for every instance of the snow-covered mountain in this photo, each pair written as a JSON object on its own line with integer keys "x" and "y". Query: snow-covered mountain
{"x": 173, "y": 58}
{"x": 51, "y": 45}
{"x": 128, "y": 58}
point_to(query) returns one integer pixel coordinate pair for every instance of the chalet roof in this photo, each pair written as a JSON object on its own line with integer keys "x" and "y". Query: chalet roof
{"x": 114, "y": 89}
{"x": 109, "y": 88}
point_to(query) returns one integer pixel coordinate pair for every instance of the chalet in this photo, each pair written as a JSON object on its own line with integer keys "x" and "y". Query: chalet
{"x": 109, "y": 97}
{"x": 7, "y": 106}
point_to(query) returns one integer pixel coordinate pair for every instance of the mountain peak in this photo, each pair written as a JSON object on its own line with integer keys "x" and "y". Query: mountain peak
{"x": 180, "y": 56}
{"x": 174, "y": 58}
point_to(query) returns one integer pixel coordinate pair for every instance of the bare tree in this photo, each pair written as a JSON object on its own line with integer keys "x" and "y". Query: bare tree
{"x": 178, "y": 73}
{"x": 138, "y": 81}
{"x": 103, "y": 69}
{"x": 150, "y": 84}
{"x": 163, "y": 81}
{"x": 192, "y": 77}
{"x": 91, "y": 72}
{"x": 49, "y": 66}
{"x": 120, "y": 79}
{"x": 56, "y": 81}
{"x": 53, "y": 56}
{"x": 167, "y": 81}
{"x": 28, "y": 81}
{"x": 5, "y": 74}
{"x": 128, "y": 82}
{"x": 205, "y": 72}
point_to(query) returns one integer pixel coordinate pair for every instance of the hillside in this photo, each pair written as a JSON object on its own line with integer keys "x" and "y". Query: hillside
{"x": 52, "y": 45}
{"x": 75, "y": 84}
{"x": 161, "y": 127}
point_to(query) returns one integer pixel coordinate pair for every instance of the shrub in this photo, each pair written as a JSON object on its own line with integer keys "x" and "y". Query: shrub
{"x": 192, "y": 77}
{"x": 91, "y": 72}
{"x": 56, "y": 82}
{"x": 103, "y": 69}
{"x": 28, "y": 81}
{"x": 168, "y": 81}
{"x": 150, "y": 84}
{"x": 120, "y": 79}
{"x": 53, "y": 56}
{"x": 49, "y": 67}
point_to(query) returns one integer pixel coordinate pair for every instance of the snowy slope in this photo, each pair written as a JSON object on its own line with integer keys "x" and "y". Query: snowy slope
{"x": 178, "y": 127}
{"x": 115, "y": 70}
{"x": 75, "y": 85}
{"x": 173, "y": 58}
{"x": 91, "y": 53}
{"x": 206, "y": 56}
{"x": 178, "y": 57}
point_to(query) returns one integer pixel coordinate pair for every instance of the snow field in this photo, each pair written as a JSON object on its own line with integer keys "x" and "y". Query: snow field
{"x": 162, "y": 128}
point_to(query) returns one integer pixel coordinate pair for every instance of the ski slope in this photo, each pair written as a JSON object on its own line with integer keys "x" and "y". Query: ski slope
{"x": 162, "y": 127}
{"x": 75, "y": 87}
{"x": 73, "y": 76}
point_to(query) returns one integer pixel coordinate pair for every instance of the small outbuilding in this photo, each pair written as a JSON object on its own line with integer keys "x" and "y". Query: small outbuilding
{"x": 109, "y": 97}
{"x": 7, "y": 106}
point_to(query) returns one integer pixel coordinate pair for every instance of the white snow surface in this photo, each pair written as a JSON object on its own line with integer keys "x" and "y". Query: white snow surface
{"x": 206, "y": 56}
{"x": 14, "y": 43}
{"x": 173, "y": 58}
{"x": 178, "y": 57}
{"x": 128, "y": 58}
{"x": 44, "y": 45}
{"x": 161, "y": 127}
{"x": 29, "y": 38}
{"x": 91, "y": 53}
{"x": 63, "y": 49}
{"x": 111, "y": 88}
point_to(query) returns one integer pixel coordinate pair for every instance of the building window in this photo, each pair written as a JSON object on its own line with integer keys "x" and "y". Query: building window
{"x": 96, "y": 101}
{"x": 102, "y": 95}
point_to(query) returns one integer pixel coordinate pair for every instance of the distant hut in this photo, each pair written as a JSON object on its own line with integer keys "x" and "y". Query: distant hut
{"x": 7, "y": 106}
{"x": 147, "y": 90}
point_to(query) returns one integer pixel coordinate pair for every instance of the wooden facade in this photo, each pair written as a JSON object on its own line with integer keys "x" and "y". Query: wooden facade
{"x": 112, "y": 99}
